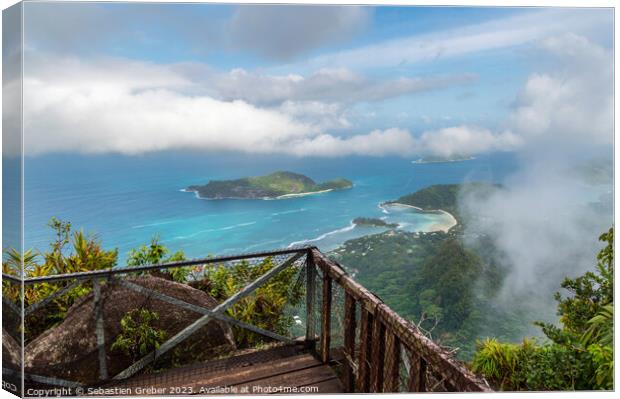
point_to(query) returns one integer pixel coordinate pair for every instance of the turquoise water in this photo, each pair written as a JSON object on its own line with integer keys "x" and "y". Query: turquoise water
{"x": 127, "y": 200}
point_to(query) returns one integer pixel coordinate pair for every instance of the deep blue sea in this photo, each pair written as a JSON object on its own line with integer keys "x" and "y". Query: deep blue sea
{"x": 126, "y": 200}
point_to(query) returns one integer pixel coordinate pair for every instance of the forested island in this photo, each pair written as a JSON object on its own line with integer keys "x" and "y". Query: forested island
{"x": 276, "y": 185}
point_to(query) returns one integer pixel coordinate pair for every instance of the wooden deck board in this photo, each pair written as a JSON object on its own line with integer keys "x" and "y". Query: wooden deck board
{"x": 265, "y": 372}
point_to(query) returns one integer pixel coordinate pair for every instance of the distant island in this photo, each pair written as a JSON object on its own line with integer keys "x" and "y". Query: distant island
{"x": 440, "y": 159}
{"x": 277, "y": 185}
{"x": 374, "y": 222}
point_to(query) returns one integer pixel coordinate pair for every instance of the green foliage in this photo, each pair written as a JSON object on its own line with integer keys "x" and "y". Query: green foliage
{"x": 603, "y": 359}
{"x": 266, "y": 308}
{"x": 74, "y": 251}
{"x": 579, "y": 354}
{"x": 528, "y": 366}
{"x": 154, "y": 254}
{"x": 138, "y": 335}
{"x": 600, "y": 327}
{"x": 590, "y": 292}
{"x": 70, "y": 252}
{"x": 439, "y": 196}
{"x": 336, "y": 184}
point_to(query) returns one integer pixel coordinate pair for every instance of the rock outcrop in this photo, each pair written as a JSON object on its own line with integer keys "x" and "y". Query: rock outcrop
{"x": 11, "y": 352}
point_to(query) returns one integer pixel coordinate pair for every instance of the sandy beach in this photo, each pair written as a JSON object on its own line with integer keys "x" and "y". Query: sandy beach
{"x": 285, "y": 196}
{"x": 445, "y": 227}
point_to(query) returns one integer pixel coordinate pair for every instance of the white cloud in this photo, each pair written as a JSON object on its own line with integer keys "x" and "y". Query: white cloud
{"x": 376, "y": 143}
{"x": 323, "y": 116}
{"x": 574, "y": 101}
{"x": 131, "y": 107}
{"x": 325, "y": 85}
{"x": 118, "y": 105}
{"x": 466, "y": 140}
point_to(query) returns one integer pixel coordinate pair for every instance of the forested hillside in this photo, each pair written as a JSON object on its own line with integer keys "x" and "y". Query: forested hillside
{"x": 435, "y": 280}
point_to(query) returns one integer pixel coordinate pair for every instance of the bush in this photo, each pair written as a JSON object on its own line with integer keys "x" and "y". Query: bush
{"x": 154, "y": 254}
{"x": 71, "y": 252}
{"x": 138, "y": 337}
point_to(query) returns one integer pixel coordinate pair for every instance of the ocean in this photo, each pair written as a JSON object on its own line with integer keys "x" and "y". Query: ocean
{"x": 127, "y": 200}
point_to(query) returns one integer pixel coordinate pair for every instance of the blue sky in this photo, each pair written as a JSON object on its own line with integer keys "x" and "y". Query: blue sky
{"x": 316, "y": 80}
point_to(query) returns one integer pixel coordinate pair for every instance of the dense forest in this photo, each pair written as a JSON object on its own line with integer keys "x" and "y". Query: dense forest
{"x": 433, "y": 280}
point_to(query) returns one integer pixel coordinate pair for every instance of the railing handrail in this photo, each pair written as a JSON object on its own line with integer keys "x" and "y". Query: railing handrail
{"x": 439, "y": 359}
{"x": 134, "y": 269}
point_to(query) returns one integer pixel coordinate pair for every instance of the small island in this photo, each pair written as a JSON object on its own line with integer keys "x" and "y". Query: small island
{"x": 442, "y": 159}
{"x": 374, "y": 222}
{"x": 277, "y": 185}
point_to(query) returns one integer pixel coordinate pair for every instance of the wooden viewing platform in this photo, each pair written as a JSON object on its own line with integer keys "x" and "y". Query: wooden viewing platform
{"x": 285, "y": 369}
{"x": 353, "y": 342}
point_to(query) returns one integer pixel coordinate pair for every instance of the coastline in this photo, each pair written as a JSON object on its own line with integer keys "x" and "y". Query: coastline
{"x": 436, "y": 227}
{"x": 285, "y": 196}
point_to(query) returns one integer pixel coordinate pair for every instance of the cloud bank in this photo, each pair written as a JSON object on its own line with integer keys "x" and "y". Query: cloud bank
{"x": 543, "y": 221}
{"x": 132, "y": 107}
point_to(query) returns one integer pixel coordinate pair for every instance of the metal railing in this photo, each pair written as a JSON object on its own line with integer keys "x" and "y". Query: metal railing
{"x": 380, "y": 351}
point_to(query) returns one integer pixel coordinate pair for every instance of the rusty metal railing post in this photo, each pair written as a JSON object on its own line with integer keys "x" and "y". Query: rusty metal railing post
{"x": 310, "y": 295}
{"x": 349, "y": 342}
{"x": 99, "y": 329}
{"x": 326, "y": 317}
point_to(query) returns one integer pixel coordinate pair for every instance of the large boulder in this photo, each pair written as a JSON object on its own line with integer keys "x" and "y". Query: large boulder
{"x": 11, "y": 352}
{"x": 69, "y": 350}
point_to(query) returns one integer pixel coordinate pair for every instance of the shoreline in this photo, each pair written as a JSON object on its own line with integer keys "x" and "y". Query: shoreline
{"x": 436, "y": 227}
{"x": 294, "y": 195}
{"x": 445, "y": 227}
